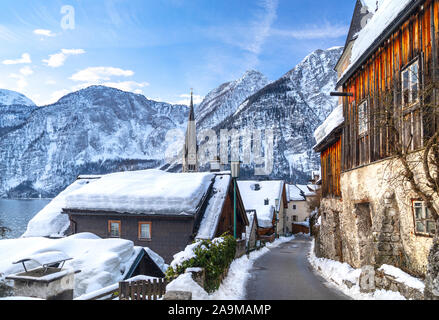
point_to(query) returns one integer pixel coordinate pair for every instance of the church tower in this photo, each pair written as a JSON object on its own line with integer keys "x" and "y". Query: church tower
{"x": 190, "y": 159}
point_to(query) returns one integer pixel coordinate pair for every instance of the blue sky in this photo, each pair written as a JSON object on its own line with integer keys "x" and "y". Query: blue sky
{"x": 160, "y": 48}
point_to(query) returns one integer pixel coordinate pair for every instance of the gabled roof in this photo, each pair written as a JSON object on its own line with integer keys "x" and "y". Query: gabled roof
{"x": 254, "y": 194}
{"x": 389, "y": 16}
{"x": 294, "y": 193}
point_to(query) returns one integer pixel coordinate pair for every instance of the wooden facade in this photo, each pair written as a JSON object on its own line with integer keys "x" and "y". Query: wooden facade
{"x": 387, "y": 111}
{"x": 331, "y": 170}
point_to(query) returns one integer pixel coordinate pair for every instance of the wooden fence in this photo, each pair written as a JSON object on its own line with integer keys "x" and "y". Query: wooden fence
{"x": 142, "y": 290}
{"x": 298, "y": 228}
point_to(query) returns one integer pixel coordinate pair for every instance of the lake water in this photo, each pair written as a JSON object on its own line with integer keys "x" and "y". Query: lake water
{"x": 15, "y": 214}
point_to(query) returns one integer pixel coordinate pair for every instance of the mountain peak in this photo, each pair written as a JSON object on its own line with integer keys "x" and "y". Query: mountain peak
{"x": 9, "y": 98}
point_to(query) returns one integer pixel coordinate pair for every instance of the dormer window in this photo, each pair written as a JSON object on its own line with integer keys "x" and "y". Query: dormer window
{"x": 266, "y": 202}
{"x": 410, "y": 84}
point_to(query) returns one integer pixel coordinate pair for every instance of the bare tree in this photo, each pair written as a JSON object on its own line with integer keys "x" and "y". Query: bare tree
{"x": 406, "y": 118}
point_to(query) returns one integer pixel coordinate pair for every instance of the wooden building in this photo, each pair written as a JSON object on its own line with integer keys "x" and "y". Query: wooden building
{"x": 386, "y": 80}
{"x": 162, "y": 211}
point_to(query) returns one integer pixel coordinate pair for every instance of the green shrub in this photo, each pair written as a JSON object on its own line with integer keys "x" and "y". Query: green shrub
{"x": 213, "y": 256}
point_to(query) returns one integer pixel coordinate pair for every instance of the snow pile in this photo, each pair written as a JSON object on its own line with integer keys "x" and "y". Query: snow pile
{"x": 145, "y": 191}
{"x": 102, "y": 262}
{"x": 185, "y": 282}
{"x": 338, "y": 274}
{"x": 50, "y": 222}
{"x": 254, "y": 194}
{"x": 334, "y": 120}
{"x": 214, "y": 208}
{"x": 402, "y": 277}
{"x": 185, "y": 255}
{"x": 388, "y": 11}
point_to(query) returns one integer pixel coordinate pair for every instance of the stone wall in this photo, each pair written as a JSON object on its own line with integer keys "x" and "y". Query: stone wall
{"x": 376, "y": 191}
{"x": 374, "y": 223}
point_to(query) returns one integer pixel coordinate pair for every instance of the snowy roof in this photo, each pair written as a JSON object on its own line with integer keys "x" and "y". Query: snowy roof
{"x": 146, "y": 191}
{"x": 388, "y": 11}
{"x": 210, "y": 220}
{"x": 50, "y": 222}
{"x": 294, "y": 193}
{"x": 254, "y": 199}
{"x": 334, "y": 120}
{"x": 308, "y": 190}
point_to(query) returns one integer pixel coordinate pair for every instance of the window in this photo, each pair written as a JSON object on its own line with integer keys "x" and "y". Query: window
{"x": 295, "y": 218}
{"x": 410, "y": 84}
{"x": 294, "y": 207}
{"x": 266, "y": 202}
{"x": 424, "y": 222}
{"x": 114, "y": 228}
{"x": 145, "y": 230}
{"x": 362, "y": 118}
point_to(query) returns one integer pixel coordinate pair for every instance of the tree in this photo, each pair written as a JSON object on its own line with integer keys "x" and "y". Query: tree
{"x": 407, "y": 115}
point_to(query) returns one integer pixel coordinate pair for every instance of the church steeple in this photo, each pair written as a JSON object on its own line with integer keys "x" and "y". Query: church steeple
{"x": 190, "y": 159}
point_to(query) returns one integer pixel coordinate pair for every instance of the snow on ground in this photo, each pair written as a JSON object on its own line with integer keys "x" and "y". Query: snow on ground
{"x": 102, "y": 262}
{"x": 403, "y": 277}
{"x": 144, "y": 191}
{"x": 233, "y": 286}
{"x": 336, "y": 272}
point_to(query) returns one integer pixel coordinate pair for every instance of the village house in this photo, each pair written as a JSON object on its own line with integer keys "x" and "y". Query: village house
{"x": 268, "y": 199}
{"x": 299, "y": 210}
{"x": 370, "y": 213}
{"x": 159, "y": 210}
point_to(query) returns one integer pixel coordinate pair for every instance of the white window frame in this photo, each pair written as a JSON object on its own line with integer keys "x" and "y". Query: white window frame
{"x": 410, "y": 80}
{"x": 145, "y": 223}
{"x": 422, "y": 217}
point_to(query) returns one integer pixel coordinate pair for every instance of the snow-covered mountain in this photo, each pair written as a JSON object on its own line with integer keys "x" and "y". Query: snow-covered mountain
{"x": 223, "y": 101}
{"x": 293, "y": 107}
{"x": 15, "y": 109}
{"x": 9, "y": 98}
{"x": 92, "y": 131}
{"x": 100, "y": 130}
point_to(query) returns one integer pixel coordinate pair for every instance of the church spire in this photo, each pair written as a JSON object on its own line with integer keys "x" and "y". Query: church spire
{"x": 190, "y": 159}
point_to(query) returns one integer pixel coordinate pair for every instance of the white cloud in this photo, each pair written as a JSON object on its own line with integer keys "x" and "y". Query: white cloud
{"x": 58, "y": 59}
{"x": 44, "y": 32}
{"x": 186, "y": 99}
{"x": 25, "y": 58}
{"x": 100, "y": 74}
{"x": 26, "y": 71}
{"x": 21, "y": 81}
{"x": 321, "y": 31}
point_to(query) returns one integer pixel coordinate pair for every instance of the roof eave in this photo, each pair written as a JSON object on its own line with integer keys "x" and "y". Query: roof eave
{"x": 386, "y": 33}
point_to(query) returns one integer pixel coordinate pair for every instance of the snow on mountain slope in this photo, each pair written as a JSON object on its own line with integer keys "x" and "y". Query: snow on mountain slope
{"x": 93, "y": 131}
{"x": 9, "y": 98}
{"x": 100, "y": 130}
{"x": 293, "y": 107}
{"x": 224, "y": 100}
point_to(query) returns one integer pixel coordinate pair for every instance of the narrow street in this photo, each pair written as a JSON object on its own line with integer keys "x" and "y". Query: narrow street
{"x": 285, "y": 274}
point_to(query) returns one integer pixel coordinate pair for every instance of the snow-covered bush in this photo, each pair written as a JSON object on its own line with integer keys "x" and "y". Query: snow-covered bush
{"x": 213, "y": 256}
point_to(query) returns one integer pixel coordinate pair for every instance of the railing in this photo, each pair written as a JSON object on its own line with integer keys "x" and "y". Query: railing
{"x": 142, "y": 290}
